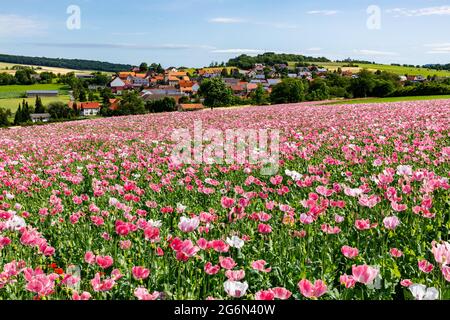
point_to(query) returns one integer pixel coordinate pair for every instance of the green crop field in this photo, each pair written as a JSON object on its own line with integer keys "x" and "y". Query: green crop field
{"x": 18, "y": 91}
{"x": 13, "y": 103}
{"x": 400, "y": 70}
{"x": 389, "y": 99}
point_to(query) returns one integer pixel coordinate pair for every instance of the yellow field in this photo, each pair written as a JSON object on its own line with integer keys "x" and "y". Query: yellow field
{"x": 400, "y": 70}
{"x": 4, "y": 66}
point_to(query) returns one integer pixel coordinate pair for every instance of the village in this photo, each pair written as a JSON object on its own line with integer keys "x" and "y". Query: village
{"x": 182, "y": 85}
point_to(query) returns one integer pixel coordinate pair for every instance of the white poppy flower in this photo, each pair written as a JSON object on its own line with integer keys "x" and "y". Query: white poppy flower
{"x": 15, "y": 223}
{"x": 235, "y": 289}
{"x": 235, "y": 242}
{"x": 421, "y": 292}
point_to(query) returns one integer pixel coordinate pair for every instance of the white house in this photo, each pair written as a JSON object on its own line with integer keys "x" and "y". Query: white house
{"x": 117, "y": 85}
{"x": 89, "y": 108}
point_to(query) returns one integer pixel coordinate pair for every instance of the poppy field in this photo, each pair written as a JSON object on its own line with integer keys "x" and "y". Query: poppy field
{"x": 358, "y": 210}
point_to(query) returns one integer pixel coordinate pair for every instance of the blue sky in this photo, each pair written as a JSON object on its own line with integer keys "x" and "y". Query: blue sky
{"x": 197, "y": 32}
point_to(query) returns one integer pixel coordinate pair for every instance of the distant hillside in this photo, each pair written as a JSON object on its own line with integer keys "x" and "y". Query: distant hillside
{"x": 76, "y": 64}
{"x": 269, "y": 58}
{"x": 438, "y": 66}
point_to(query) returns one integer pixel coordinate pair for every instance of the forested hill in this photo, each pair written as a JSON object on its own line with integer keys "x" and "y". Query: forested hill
{"x": 76, "y": 64}
{"x": 269, "y": 58}
{"x": 438, "y": 66}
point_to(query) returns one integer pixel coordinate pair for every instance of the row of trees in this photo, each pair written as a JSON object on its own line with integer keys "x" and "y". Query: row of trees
{"x": 77, "y": 64}
{"x": 132, "y": 104}
{"x": 26, "y": 76}
{"x": 270, "y": 58}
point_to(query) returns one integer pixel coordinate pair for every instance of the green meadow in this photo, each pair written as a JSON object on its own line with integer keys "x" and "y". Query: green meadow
{"x": 388, "y": 99}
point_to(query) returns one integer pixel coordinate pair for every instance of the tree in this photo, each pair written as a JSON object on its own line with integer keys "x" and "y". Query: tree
{"x": 18, "y": 116}
{"x": 143, "y": 67}
{"x": 259, "y": 96}
{"x": 156, "y": 67}
{"x": 26, "y": 112}
{"x": 106, "y": 94}
{"x": 383, "y": 88}
{"x": 215, "y": 93}
{"x": 82, "y": 97}
{"x": 59, "y": 110}
{"x": 318, "y": 90}
{"x": 362, "y": 86}
{"x": 91, "y": 96}
{"x": 166, "y": 104}
{"x": 38, "y": 106}
{"x": 288, "y": 91}
{"x": 131, "y": 103}
{"x": 4, "y": 117}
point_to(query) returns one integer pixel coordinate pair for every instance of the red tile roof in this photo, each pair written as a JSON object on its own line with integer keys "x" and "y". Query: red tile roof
{"x": 90, "y": 105}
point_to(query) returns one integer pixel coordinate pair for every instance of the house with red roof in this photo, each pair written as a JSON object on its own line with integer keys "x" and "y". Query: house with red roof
{"x": 89, "y": 108}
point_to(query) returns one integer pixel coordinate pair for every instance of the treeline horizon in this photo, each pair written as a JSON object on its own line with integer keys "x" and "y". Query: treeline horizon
{"x": 242, "y": 61}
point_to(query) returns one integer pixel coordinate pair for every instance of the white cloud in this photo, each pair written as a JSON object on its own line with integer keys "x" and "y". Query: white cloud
{"x": 430, "y": 11}
{"x": 438, "y": 48}
{"x": 324, "y": 12}
{"x": 226, "y": 20}
{"x": 314, "y": 49}
{"x": 238, "y": 51}
{"x": 12, "y": 25}
{"x": 367, "y": 52}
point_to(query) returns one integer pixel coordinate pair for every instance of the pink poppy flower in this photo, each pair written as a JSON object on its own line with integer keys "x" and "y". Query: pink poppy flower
{"x": 143, "y": 294}
{"x": 235, "y": 275}
{"x": 312, "y": 291}
{"x": 364, "y": 274}
{"x": 151, "y": 234}
{"x": 441, "y": 252}
{"x": 281, "y": 293}
{"x": 116, "y": 274}
{"x": 347, "y": 281}
{"x": 81, "y": 297}
{"x": 101, "y": 286}
{"x": 227, "y": 202}
{"x": 210, "y": 269}
{"x": 396, "y": 253}
{"x": 264, "y": 228}
{"x": 446, "y": 272}
{"x": 140, "y": 273}
{"x": 259, "y": 265}
{"x": 406, "y": 283}
{"x": 188, "y": 225}
{"x": 219, "y": 246}
{"x": 89, "y": 257}
{"x": 104, "y": 262}
{"x": 425, "y": 266}
{"x": 227, "y": 263}
{"x": 265, "y": 295}
{"x": 391, "y": 223}
{"x": 349, "y": 252}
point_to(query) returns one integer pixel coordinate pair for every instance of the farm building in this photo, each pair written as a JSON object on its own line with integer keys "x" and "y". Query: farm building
{"x": 40, "y": 117}
{"x": 42, "y": 93}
